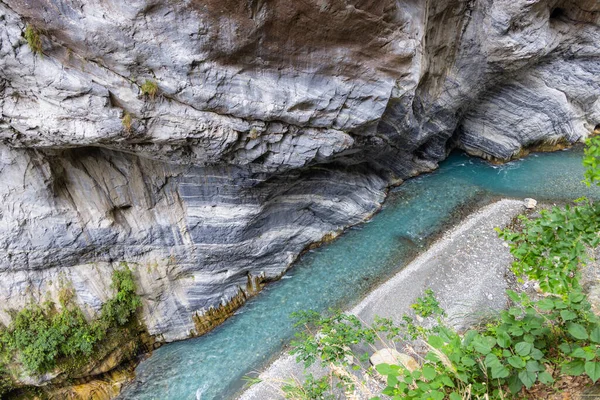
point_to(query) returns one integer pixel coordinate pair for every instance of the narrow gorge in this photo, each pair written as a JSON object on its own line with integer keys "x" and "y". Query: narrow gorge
{"x": 207, "y": 144}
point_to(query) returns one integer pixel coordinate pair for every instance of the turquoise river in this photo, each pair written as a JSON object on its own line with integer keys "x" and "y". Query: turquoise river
{"x": 341, "y": 273}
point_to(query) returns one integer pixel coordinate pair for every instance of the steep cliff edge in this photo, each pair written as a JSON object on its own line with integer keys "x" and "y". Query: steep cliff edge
{"x": 273, "y": 125}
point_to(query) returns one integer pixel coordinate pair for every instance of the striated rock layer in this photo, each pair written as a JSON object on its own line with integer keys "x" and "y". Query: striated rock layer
{"x": 275, "y": 125}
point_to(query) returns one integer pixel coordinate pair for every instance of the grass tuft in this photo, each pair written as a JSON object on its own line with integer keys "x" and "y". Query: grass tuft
{"x": 34, "y": 40}
{"x": 149, "y": 88}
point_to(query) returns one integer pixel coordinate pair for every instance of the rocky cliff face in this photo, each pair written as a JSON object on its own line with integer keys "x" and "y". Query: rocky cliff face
{"x": 275, "y": 124}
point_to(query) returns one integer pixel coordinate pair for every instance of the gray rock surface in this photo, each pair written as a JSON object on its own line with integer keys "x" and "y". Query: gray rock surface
{"x": 276, "y": 123}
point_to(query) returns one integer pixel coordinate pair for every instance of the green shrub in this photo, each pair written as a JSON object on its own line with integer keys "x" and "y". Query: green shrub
{"x": 34, "y": 40}
{"x": 118, "y": 310}
{"x": 427, "y": 306}
{"x": 591, "y": 161}
{"x": 551, "y": 248}
{"x": 40, "y": 336}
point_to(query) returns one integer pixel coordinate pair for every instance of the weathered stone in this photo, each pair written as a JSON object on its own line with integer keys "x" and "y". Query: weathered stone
{"x": 393, "y": 357}
{"x": 530, "y": 204}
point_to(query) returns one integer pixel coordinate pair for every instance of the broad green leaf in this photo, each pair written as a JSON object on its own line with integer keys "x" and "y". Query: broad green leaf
{"x": 534, "y": 366}
{"x": 546, "y": 304}
{"x": 437, "y": 395}
{"x": 577, "y": 331}
{"x": 429, "y": 372}
{"x": 579, "y": 353}
{"x": 523, "y": 348}
{"x": 435, "y": 341}
{"x": 503, "y": 339}
{"x": 536, "y": 354}
{"x": 468, "y": 361}
{"x": 514, "y": 296}
{"x": 455, "y": 396}
{"x": 514, "y": 384}
{"x": 499, "y": 372}
{"x": 573, "y": 368}
{"x": 385, "y": 369}
{"x": 595, "y": 334}
{"x": 491, "y": 360}
{"x": 481, "y": 346}
{"x": 528, "y": 378}
{"x": 576, "y": 297}
{"x": 447, "y": 381}
{"x": 592, "y": 369}
{"x": 516, "y": 362}
{"x": 568, "y": 315}
{"x": 545, "y": 378}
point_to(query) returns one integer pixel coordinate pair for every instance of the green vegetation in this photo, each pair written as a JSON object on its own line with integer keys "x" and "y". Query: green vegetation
{"x": 427, "y": 305}
{"x": 537, "y": 341}
{"x": 127, "y": 121}
{"x": 34, "y": 40}
{"x": 319, "y": 389}
{"x": 591, "y": 161}
{"x": 42, "y": 337}
{"x": 149, "y": 88}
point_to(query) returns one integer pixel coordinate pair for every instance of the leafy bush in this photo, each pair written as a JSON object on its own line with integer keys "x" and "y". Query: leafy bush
{"x": 591, "y": 161}
{"x": 41, "y": 335}
{"x": 551, "y": 248}
{"x": 427, "y": 306}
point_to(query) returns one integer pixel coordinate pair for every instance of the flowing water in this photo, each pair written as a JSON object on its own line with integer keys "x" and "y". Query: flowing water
{"x": 339, "y": 274}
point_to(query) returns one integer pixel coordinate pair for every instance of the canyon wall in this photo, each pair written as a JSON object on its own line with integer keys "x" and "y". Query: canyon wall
{"x": 275, "y": 124}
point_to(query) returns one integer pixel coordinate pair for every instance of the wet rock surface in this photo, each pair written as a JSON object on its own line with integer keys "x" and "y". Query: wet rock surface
{"x": 274, "y": 125}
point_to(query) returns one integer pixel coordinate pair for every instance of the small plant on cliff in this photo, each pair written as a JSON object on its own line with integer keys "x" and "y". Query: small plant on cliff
{"x": 34, "y": 40}
{"x": 127, "y": 121}
{"x": 40, "y": 336}
{"x": 149, "y": 88}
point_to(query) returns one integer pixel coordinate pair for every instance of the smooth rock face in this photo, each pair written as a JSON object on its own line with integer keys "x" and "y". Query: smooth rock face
{"x": 276, "y": 123}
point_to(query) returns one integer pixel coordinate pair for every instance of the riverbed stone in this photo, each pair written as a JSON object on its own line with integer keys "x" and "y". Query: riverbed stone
{"x": 529, "y": 203}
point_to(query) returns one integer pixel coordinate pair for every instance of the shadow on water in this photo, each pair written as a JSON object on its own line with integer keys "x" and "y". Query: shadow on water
{"x": 340, "y": 273}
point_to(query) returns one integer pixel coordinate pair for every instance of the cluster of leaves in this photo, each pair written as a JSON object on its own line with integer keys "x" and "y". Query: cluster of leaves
{"x": 334, "y": 336}
{"x": 34, "y": 40}
{"x": 40, "y": 336}
{"x": 591, "y": 161}
{"x": 529, "y": 343}
{"x": 427, "y": 305}
{"x": 550, "y": 249}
